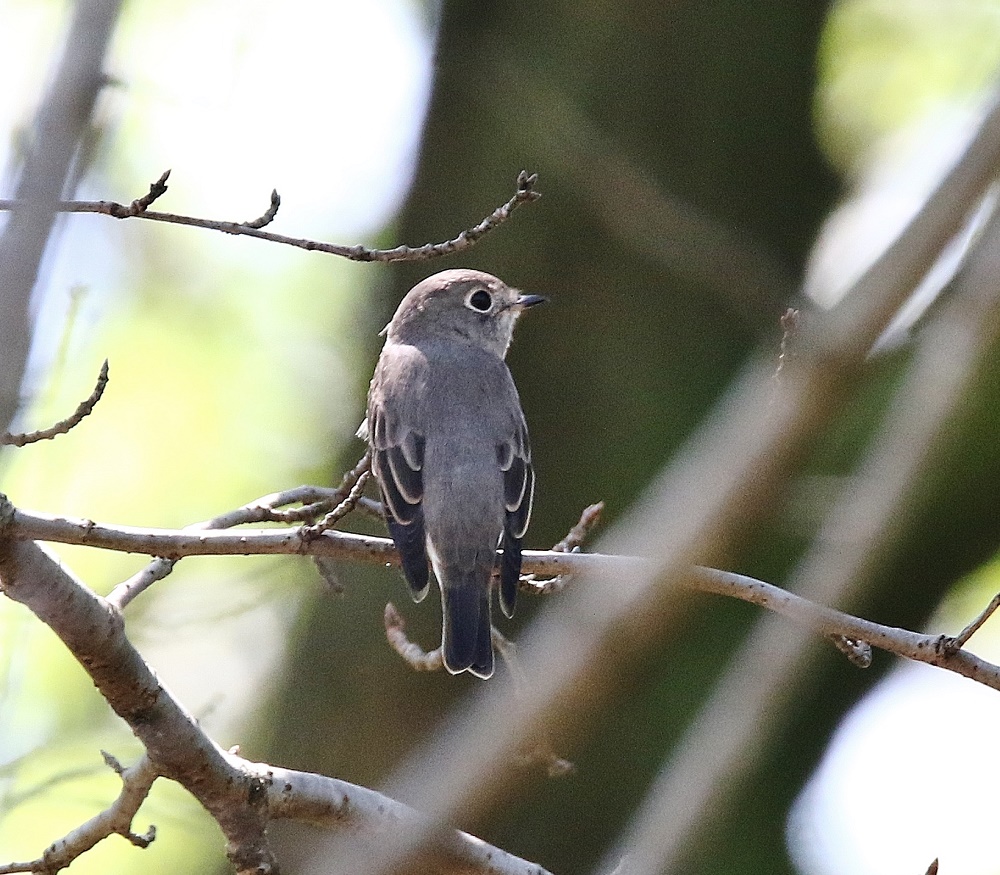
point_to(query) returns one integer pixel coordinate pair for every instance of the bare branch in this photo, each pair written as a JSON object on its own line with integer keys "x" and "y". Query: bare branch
{"x": 269, "y": 213}
{"x": 354, "y": 482}
{"x": 590, "y": 518}
{"x": 242, "y": 796}
{"x": 412, "y": 653}
{"x": 314, "y": 500}
{"x": 743, "y": 708}
{"x": 85, "y": 408}
{"x": 955, "y": 644}
{"x": 312, "y": 798}
{"x": 114, "y": 820}
{"x": 524, "y": 194}
{"x": 93, "y": 631}
{"x": 141, "y": 204}
{"x": 931, "y": 649}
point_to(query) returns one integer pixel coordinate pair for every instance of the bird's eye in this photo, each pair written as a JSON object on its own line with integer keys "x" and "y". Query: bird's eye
{"x": 479, "y": 300}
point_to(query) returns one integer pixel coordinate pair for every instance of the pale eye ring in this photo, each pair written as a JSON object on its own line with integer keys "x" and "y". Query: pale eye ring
{"x": 479, "y": 300}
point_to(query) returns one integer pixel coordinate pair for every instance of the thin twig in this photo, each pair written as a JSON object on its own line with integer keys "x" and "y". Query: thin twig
{"x": 413, "y": 654}
{"x": 350, "y": 488}
{"x": 315, "y": 500}
{"x": 524, "y": 194}
{"x": 141, "y": 204}
{"x": 574, "y": 539}
{"x": 269, "y": 213}
{"x": 589, "y": 519}
{"x": 116, "y": 819}
{"x": 84, "y": 408}
{"x": 955, "y": 644}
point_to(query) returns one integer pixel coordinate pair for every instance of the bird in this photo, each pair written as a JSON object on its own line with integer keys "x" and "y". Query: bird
{"x": 450, "y": 452}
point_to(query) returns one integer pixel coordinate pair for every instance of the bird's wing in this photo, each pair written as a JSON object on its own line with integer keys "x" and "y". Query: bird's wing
{"x": 397, "y": 462}
{"x": 514, "y": 459}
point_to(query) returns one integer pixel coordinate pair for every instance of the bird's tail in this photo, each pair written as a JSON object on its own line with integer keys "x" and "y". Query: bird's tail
{"x": 466, "y": 643}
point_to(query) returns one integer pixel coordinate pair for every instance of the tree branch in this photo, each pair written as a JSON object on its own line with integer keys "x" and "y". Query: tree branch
{"x": 931, "y": 649}
{"x": 242, "y": 796}
{"x": 743, "y": 707}
{"x": 116, "y": 819}
{"x": 137, "y": 209}
{"x": 61, "y": 119}
{"x": 84, "y": 408}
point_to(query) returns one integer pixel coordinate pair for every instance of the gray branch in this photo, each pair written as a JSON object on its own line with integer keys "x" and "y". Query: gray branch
{"x": 934, "y": 650}
{"x": 242, "y": 796}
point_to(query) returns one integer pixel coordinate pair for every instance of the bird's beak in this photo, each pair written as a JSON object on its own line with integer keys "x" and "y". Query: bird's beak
{"x": 525, "y": 301}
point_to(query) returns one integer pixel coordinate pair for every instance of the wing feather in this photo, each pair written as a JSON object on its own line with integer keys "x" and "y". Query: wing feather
{"x": 397, "y": 462}
{"x": 514, "y": 459}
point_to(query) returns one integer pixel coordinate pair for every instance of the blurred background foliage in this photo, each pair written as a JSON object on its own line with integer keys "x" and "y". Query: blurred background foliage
{"x": 689, "y": 154}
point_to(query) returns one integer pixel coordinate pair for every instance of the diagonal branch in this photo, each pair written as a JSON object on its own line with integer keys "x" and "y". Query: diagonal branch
{"x": 729, "y": 473}
{"x": 242, "y": 796}
{"x": 84, "y": 408}
{"x": 94, "y": 633}
{"x": 746, "y": 703}
{"x": 116, "y": 819}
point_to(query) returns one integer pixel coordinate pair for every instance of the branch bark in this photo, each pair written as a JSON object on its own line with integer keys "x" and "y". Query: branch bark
{"x": 524, "y": 194}
{"x": 931, "y": 649}
{"x": 242, "y": 796}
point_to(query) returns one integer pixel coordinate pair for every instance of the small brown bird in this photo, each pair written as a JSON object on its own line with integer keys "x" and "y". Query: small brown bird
{"x": 450, "y": 451}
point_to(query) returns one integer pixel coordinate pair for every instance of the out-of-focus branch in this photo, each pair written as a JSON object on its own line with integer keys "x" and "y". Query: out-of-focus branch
{"x": 84, "y": 408}
{"x": 137, "y": 209}
{"x": 730, "y": 472}
{"x": 744, "y": 706}
{"x": 62, "y": 117}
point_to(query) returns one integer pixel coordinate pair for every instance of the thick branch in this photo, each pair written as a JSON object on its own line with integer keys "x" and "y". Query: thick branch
{"x": 94, "y": 633}
{"x": 241, "y": 796}
{"x": 311, "y": 798}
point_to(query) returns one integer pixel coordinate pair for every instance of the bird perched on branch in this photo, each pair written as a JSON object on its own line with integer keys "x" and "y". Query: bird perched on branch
{"x": 450, "y": 451}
